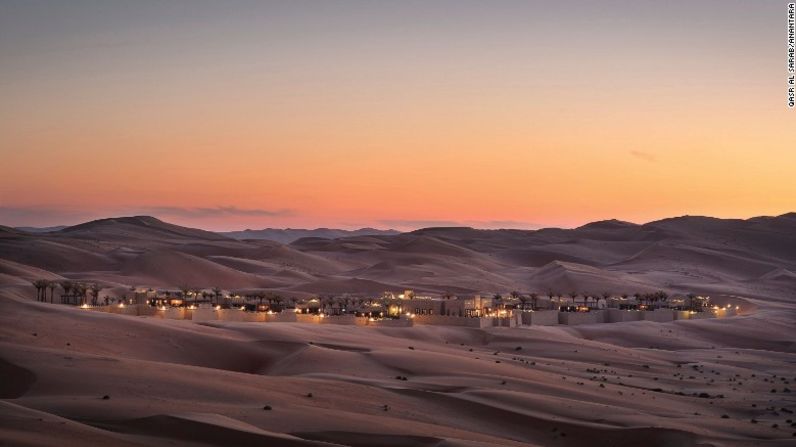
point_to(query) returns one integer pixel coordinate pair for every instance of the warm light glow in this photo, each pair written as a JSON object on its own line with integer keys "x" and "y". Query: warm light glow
{"x": 178, "y": 114}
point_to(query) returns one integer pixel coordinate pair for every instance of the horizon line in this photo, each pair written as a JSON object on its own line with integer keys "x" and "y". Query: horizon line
{"x": 354, "y": 228}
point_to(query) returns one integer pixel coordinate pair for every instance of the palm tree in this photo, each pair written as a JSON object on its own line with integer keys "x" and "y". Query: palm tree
{"x": 268, "y": 296}
{"x": 523, "y": 300}
{"x": 216, "y": 294}
{"x": 573, "y": 295}
{"x": 558, "y": 296}
{"x": 38, "y": 285}
{"x": 385, "y": 303}
{"x": 185, "y": 291}
{"x": 95, "y": 290}
{"x": 605, "y": 297}
{"x": 497, "y": 301}
{"x": 691, "y": 298}
{"x": 80, "y": 290}
{"x": 51, "y": 285}
{"x": 534, "y": 299}
{"x": 278, "y": 300}
{"x": 67, "y": 286}
{"x": 45, "y": 284}
{"x": 662, "y": 296}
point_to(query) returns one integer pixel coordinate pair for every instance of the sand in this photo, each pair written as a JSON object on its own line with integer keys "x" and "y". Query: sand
{"x": 77, "y": 377}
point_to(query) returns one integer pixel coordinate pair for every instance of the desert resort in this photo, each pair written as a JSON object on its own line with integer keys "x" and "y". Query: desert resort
{"x": 391, "y": 309}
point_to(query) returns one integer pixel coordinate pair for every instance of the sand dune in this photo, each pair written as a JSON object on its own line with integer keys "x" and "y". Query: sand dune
{"x": 288, "y": 235}
{"x": 167, "y": 268}
{"x": 170, "y": 382}
{"x": 566, "y": 277}
{"x": 210, "y": 382}
{"x": 675, "y": 254}
{"x": 25, "y": 272}
{"x": 137, "y": 227}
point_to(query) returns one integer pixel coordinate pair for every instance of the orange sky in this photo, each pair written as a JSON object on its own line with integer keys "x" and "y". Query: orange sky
{"x": 393, "y": 115}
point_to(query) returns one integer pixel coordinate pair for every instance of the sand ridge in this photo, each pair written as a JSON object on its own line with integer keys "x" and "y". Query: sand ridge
{"x": 76, "y": 377}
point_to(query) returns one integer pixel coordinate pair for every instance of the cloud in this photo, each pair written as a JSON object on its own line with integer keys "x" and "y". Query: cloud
{"x": 45, "y": 216}
{"x": 42, "y": 216}
{"x": 411, "y": 224}
{"x": 646, "y": 156}
{"x": 414, "y": 224}
{"x": 219, "y": 211}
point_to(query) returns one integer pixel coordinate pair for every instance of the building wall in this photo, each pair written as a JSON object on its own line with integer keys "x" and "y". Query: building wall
{"x": 575, "y": 318}
{"x": 421, "y": 306}
{"x": 619, "y": 316}
{"x": 445, "y": 320}
{"x": 126, "y": 310}
{"x": 539, "y": 317}
{"x": 403, "y": 322}
{"x": 203, "y": 314}
{"x": 328, "y": 319}
{"x": 658, "y": 315}
{"x": 174, "y": 313}
{"x": 239, "y": 315}
{"x": 148, "y": 311}
{"x": 513, "y": 320}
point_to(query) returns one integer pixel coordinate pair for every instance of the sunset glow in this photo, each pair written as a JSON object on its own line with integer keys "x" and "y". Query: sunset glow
{"x": 393, "y": 114}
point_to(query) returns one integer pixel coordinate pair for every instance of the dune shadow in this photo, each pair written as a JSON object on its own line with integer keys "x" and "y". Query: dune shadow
{"x": 15, "y": 381}
{"x": 342, "y": 347}
{"x": 208, "y": 429}
{"x": 358, "y": 439}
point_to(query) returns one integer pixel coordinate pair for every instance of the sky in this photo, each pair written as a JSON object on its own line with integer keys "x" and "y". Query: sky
{"x": 504, "y": 114}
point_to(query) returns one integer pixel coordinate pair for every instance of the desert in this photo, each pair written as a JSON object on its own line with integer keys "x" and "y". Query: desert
{"x": 381, "y": 223}
{"x": 77, "y": 376}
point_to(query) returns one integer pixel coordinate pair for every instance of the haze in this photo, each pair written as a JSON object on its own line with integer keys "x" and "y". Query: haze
{"x": 392, "y": 114}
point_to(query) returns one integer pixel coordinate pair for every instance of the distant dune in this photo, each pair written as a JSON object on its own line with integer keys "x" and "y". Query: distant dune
{"x": 678, "y": 254}
{"x": 74, "y": 377}
{"x": 41, "y": 229}
{"x": 288, "y": 235}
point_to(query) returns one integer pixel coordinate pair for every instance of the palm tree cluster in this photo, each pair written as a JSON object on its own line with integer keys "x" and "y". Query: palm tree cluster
{"x": 73, "y": 292}
{"x": 275, "y": 302}
{"x": 586, "y": 299}
{"x": 651, "y": 299}
{"x": 42, "y": 285}
{"x": 77, "y": 293}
